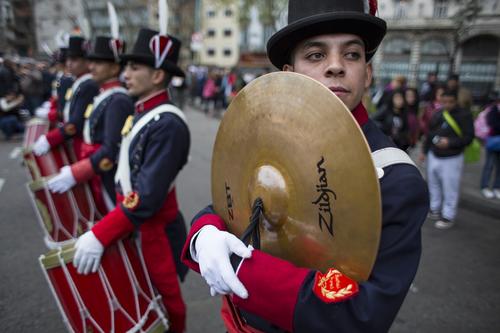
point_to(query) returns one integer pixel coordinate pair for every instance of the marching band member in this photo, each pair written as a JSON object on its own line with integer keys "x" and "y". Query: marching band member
{"x": 104, "y": 120}
{"x": 332, "y": 42}
{"x": 154, "y": 149}
{"x": 78, "y": 97}
{"x": 53, "y": 108}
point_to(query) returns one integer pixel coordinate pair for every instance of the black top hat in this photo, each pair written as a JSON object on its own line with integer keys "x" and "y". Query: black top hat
{"x": 78, "y": 47}
{"x": 157, "y": 51}
{"x": 61, "y": 55}
{"x": 106, "y": 48}
{"x": 315, "y": 17}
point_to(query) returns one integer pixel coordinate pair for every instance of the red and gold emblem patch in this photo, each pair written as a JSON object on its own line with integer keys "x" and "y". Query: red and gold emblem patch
{"x": 131, "y": 201}
{"x": 105, "y": 164}
{"x": 334, "y": 286}
{"x": 70, "y": 129}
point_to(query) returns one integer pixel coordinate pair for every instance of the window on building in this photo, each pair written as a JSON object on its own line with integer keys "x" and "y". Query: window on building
{"x": 400, "y": 9}
{"x": 211, "y": 33}
{"x": 440, "y": 8}
{"x": 211, "y": 52}
{"x": 228, "y": 32}
{"x": 421, "y": 7}
{"x": 228, "y": 12}
{"x": 397, "y": 45}
{"x": 227, "y": 52}
{"x": 434, "y": 47}
{"x": 211, "y": 13}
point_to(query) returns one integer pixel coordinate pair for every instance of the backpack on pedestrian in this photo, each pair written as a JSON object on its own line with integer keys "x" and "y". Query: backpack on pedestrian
{"x": 481, "y": 128}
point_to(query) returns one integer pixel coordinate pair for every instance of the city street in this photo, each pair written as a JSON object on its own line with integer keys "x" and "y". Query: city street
{"x": 456, "y": 288}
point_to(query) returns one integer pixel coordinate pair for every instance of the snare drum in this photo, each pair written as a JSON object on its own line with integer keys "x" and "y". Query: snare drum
{"x": 33, "y": 130}
{"x": 118, "y": 298}
{"x": 60, "y": 215}
{"x": 45, "y": 165}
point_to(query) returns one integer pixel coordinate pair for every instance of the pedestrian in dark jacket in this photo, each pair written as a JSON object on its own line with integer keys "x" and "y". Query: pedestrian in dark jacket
{"x": 412, "y": 112}
{"x": 393, "y": 121}
{"x": 451, "y": 129}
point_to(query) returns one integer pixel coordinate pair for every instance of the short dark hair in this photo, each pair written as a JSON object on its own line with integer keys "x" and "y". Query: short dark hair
{"x": 454, "y": 77}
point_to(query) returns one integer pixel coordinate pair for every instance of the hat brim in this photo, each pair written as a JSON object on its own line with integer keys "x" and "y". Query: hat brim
{"x": 95, "y": 56}
{"x": 76, "y": 55}
{"x": 371, "y": 29}
{"x": 168, "y": 66}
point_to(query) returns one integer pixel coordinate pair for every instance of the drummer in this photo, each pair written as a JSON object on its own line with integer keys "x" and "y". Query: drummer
{"x": 332, "y": 42}
{"x": 78, "y": 97}
{"x": 104, "y": 120}
{"x": 154, "y": 149}
{"x": 60, "y": 86}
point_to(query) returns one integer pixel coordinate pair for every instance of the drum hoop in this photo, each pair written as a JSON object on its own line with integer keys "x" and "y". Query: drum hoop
{"x": 40, "y": 185}
{"x": 51, "y": 259}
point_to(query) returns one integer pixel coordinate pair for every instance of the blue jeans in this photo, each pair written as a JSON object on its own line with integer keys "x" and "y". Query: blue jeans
{"x": 492, "y": 162}
{"x": 10, "y": 125}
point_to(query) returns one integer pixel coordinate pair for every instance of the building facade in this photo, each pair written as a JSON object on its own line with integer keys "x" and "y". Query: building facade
{"x": 17, "y": 28}
{"x": 132, "y": 15}
{"x": 221, "y": 34}
{"x": 433, "y": 35}
{"x": 55, "y": 17}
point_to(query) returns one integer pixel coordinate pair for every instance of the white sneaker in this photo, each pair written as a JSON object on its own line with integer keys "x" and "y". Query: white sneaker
{"x": 488, "y": 194}
{"x": 444, "y": 224}
{"x": 497, "y": 193}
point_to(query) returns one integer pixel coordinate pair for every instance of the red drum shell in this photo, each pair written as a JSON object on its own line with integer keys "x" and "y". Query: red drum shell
{"x": 58, "y": 213}
{"x": 111, "y": 298}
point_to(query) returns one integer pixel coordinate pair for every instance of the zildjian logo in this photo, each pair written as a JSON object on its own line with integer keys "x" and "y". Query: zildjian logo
{"x": 325, "y": 196}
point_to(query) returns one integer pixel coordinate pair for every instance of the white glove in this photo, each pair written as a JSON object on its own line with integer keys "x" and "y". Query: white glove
{"x": 213, "y": 249}
{"x": 41, "y": 146}
{"x": 88, "y": 253}
{"x": 43, "y": 111}
{"x": 63, "y": 181}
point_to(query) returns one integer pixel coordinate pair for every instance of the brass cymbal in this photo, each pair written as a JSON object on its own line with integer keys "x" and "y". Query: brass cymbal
{"x": 289, "y": 140}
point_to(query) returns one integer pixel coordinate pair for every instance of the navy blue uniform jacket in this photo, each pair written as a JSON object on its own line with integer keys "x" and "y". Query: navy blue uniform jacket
{"x": 281, "y": 296}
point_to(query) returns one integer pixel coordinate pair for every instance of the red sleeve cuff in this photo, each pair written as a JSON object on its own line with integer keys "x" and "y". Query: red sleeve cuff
{"x": 82, "y": 170}
{"x": 114, "y": 226}
{"x": 208, "y": 219}
{"x": 55, "y": 137}
{"x": 269, "y": 278}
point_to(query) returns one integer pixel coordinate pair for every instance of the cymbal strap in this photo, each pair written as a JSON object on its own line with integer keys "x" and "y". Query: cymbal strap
{"x": 252, "y": 232}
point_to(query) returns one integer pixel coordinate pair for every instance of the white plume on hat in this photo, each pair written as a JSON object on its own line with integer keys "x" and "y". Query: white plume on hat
{"x": 113, "y": 20}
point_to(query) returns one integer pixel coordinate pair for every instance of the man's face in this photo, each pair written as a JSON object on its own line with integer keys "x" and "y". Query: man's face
{"x": 452, "y": 84}
{"x": 449, "y": 102}
{"x": 138, "y": 78}
{"x": 103, "y": 71}
{"x": 77, "y": 66}
{"x": 338, "y": 62}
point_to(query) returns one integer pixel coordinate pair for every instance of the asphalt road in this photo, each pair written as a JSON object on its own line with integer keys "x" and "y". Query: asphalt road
{"x": 456, "y": 288}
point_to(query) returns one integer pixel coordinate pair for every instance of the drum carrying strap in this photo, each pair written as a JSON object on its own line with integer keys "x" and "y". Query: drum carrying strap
{"x": 123, "y": 173}
{"x": 385, "y": 157}
{"x": 98, "y": 100}
{"x": 74, "y": 88}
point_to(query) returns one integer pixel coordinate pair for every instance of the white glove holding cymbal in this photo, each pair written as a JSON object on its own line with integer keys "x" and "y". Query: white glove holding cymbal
{"x": 213, "y": 249}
